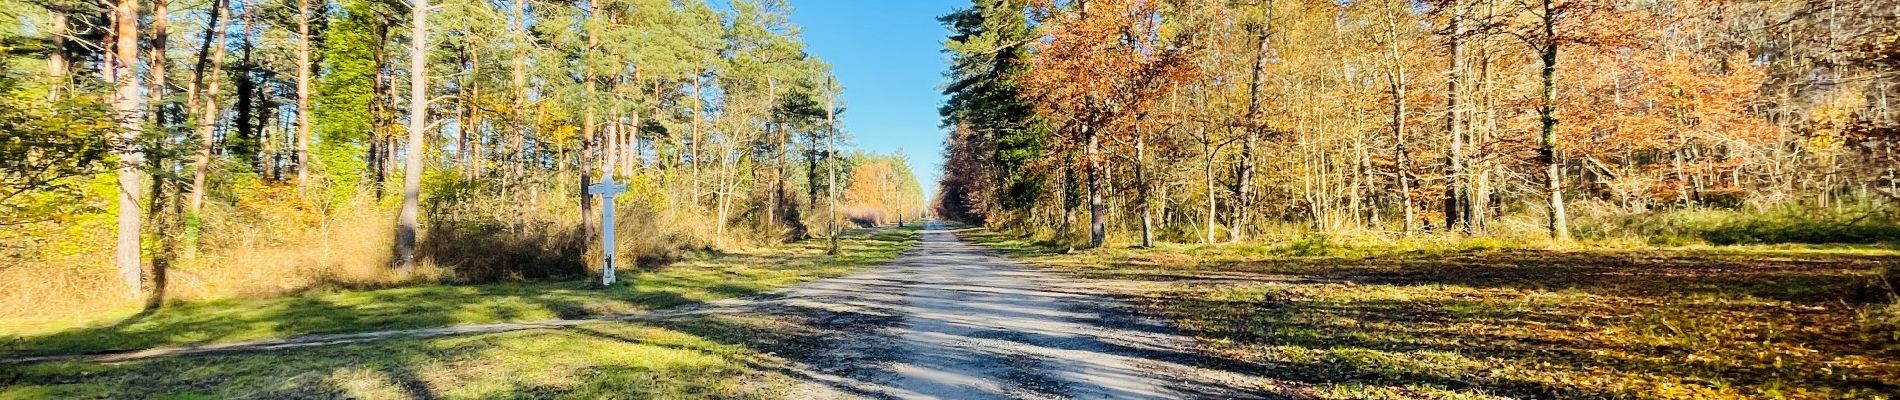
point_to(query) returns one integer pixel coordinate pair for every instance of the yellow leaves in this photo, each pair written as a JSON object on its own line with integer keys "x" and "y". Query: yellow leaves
{"x": 1825, "y": 131}
{"x": 563, "y": 133}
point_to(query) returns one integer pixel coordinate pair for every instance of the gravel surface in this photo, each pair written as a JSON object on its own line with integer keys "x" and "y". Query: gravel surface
{"x": 952, "y": 320}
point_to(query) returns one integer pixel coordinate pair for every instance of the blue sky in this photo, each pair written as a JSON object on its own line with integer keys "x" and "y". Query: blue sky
{"x": 887, "y": 55}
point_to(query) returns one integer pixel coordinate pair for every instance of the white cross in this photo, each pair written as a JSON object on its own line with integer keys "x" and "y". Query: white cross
{"x": 606, "y": 189}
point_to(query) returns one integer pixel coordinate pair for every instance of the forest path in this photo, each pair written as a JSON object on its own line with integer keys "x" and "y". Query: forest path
{"x": 953, "y": 320}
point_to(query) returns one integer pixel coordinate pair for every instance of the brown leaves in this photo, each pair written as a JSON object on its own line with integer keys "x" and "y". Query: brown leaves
{"x": 1103, "y": 62}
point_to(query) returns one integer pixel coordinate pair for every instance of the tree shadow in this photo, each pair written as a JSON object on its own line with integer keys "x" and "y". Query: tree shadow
{"x": 409, "y": 367}
{"x": 1688, "y": 318}
{"x": 1612, "y": 273}
{"x": 337, "y": 306}
{"x": 1370, "y": 339}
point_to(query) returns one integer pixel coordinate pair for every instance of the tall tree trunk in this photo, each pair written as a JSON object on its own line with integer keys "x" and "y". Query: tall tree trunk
{"x": 1098, "y": 208}
{"x": 698, "y": 109}
{"x": 1207, "y": 176}
{"x": 465, "y": 104}
{"x": 776, "y": 150}
{"x": 587, "y": 134}
{"x": 811, "y": 174}
{"x": 418, "y": 122}
{"x": 129, "y": 106}
{"x": 266, "y": 143}
{"x": 1141, "y": 178}
{"x": 380, "y": 109}
{"x": 722, "y": 193}
{"x": 245, "y": 90}
{"x": 1355, "y": 194}
{"x": 1457, "y": 188}
{"x": 519, "y": 98}
{"x": 610, "y": 145}
{"x": 303, "y": 92}
{"x": 1547, "y": 112}
{"x": 1478, "y": 198}
{"x": 831, "y": 154}
{"x": 630, "y": 153}
{"x": 1371, "y": 210}
{"x": 209, "y": 72}
{"x": 161, "y": 19}
{"x": 1243, "y": 201}
{"x": 473, "y": 102}
{"x": 56, "y": 64}
{"x": 1401, "y": 160}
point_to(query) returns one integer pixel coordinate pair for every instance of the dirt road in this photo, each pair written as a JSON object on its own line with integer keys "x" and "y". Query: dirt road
{"x": 951, "y": 320}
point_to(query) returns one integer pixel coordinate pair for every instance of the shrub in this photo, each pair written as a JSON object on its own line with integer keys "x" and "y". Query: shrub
{"x": 1804, "y": 226}
{"x": 1786, "y": 224}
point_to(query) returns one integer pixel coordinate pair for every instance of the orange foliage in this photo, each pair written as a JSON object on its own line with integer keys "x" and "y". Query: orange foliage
{"x": 1664, "y": 111}
{"x": 1105, "y": 61}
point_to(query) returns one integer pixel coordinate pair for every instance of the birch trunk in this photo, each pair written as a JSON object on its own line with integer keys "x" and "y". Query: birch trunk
{"x": 1141, "y": 178}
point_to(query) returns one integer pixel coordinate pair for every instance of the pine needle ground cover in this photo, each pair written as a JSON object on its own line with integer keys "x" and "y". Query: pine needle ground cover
{"x": 1519, "y": 323}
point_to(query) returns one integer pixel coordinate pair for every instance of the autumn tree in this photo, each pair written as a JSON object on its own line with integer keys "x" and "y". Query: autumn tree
{"x": 1101, "y": 64}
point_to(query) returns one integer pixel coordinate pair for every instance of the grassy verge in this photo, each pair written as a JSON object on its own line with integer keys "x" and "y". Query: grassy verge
{"x": 686, "y": 359}
{"x": 1493, "y": 322}
{"x": 700, "y": 279}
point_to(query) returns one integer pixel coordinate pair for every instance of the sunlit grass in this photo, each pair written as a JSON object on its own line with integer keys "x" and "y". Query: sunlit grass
{"x": 680, "y": 360}
{"x": 701, "y": 278}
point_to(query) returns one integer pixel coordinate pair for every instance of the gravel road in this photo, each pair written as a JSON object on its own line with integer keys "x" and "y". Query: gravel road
{"x": 951, "y": 320}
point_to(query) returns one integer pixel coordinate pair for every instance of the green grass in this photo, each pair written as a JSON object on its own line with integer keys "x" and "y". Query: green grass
{"x": 686, "y": 359}
{"x": 1858, "y": 224}
{"x": 1330, "y": 320}
{"x": 708, "y": 277}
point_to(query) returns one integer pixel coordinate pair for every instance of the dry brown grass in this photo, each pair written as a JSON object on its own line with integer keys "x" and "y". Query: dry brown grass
{"x": 273, "y": 240}
{"x": 73, "y": 274}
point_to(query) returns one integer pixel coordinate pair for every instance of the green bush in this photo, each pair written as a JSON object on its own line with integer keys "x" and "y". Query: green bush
{"x": 1778, "y": 225}
{"x": 1805, "y": 226}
